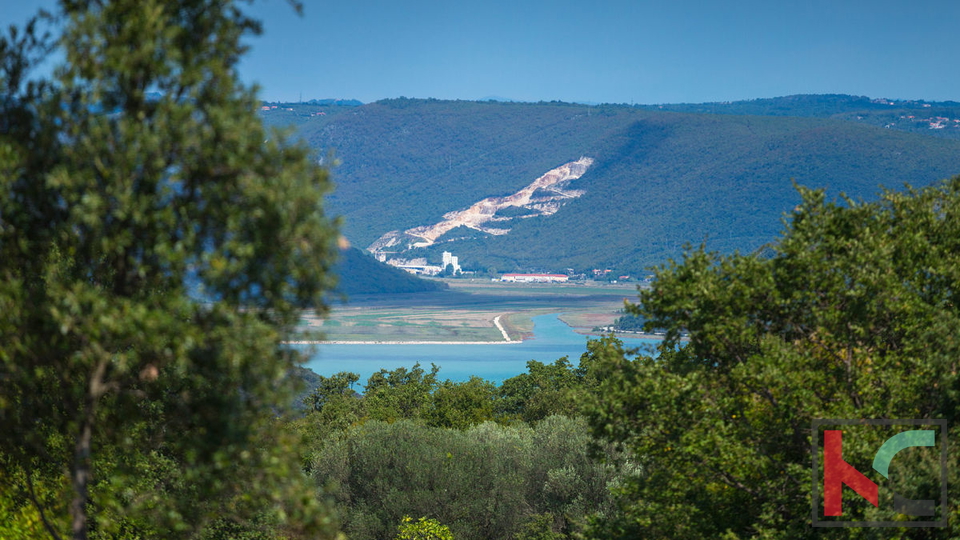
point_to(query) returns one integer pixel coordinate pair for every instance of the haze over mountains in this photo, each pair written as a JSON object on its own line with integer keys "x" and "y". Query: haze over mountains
{"x": 659, "y": 176}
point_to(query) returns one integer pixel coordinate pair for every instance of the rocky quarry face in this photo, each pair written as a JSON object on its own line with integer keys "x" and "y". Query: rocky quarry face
{"x": 543, "y": 197}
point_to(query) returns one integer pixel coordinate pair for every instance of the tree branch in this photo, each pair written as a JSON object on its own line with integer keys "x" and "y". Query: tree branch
{"x": 82, "y": 470}
{"x": 32, "y": 495}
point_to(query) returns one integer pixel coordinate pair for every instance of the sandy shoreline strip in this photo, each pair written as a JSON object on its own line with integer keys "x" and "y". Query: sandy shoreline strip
{"x": 506, "y": 337}
{"x": 400, "y": 342}
{"x": 508, "y": 342}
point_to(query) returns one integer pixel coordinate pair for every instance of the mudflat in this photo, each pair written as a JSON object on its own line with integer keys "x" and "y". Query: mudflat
{"x": 468, "y": 312}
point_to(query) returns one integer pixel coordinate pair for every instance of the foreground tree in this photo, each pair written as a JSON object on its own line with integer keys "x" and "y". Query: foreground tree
{"x": 156, "y": 246}
{"x": 423, "y": 529}
{"x": 489, "y": 481}
{"x": 853, "y": 313}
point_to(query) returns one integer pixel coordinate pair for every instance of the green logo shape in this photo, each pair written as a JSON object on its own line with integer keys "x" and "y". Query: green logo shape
{"x": 904, "y": 439}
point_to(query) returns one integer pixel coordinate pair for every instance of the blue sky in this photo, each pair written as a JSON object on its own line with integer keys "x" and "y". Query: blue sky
{"x": 603, "y": 51}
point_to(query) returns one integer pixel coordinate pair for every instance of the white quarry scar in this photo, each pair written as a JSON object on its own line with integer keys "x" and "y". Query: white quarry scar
{"x": 483, "y": 212}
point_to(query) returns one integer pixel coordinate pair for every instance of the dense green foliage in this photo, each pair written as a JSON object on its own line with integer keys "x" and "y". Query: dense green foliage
{"x": 629, "y": 322}
{"x": 483, "y": 482}
{"x": 417, "y": 394}
{"x": 129, "y": 409}
{"x": 853, "y": 313}
{"x": 661, "y": 179}
{"x": 423, "y": 529}
{"x": 515, "y": 461}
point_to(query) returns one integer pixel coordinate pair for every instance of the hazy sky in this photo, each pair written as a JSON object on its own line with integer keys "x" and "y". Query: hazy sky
{"x": 618, "y": 51}
{"x": 607, "y": 51}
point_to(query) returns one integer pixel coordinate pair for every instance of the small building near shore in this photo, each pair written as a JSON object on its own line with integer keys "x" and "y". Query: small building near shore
{"x": 449, "y": 259}
{"x": 534, "y": 278}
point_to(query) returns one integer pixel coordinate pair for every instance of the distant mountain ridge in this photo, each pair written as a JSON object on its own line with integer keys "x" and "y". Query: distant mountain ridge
{"x": 660, "y": 177}
{"x": 820, "y": 105}
{"x": 936, "y": 118}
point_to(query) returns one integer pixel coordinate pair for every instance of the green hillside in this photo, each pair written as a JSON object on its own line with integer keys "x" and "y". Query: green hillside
{"x": 361, "y": 274}
{"x": 276, "y": 114}
{"x": 938, "y": 119}
{"x": 661, "y": 178}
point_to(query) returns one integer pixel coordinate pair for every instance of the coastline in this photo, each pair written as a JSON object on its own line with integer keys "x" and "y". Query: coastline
{"x": 336, "y": 342}
{"x": 496, "y": 323}
{"x": 629, "y": 335}
{"x": 581, "y": 331}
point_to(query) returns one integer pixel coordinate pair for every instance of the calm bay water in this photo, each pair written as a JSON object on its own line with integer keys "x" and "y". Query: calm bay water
{"x": 552, "y": 340}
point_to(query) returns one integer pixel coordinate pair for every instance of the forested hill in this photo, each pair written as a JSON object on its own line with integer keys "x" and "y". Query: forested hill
{"x": 938, "y": 119}
{"x": 361, "y": 274}
{"x": 659, "y": 178}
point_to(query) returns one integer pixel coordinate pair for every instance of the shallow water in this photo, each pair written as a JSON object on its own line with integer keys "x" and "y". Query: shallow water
{"x": 552, "y": 340}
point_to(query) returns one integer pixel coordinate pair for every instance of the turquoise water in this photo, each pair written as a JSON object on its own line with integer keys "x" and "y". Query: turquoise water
{"x": 552, "y": 340}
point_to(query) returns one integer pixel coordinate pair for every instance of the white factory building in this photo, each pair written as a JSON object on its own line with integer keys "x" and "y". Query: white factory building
{"x": 450, "y": 259}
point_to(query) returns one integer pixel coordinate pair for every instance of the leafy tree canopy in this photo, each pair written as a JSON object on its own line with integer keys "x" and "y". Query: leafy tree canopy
{"x": 853, "y": 313}
{"x": 423, "y": 529}
{"x": 489, "y": 481}
{"x": 129, "y": 406}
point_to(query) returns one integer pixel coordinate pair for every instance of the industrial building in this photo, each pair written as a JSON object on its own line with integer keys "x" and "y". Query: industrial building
{"x": 450, "y": 259}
